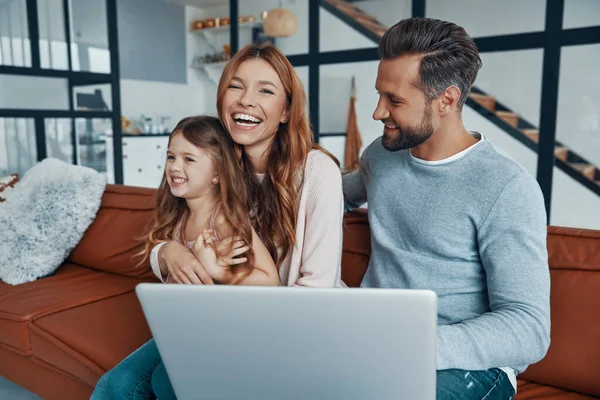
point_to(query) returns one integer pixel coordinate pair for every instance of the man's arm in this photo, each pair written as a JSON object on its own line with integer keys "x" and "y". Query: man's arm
{"x": 354, "y": 184}
{"x": 512, "y": 247}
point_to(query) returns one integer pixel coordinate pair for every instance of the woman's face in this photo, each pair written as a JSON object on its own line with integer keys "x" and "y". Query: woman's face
{"x": 254, "y": 105}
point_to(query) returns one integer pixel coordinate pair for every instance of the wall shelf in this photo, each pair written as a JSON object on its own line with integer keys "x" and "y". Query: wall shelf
{"x": 244, "y": 25}
{"x": 212, "y": 70}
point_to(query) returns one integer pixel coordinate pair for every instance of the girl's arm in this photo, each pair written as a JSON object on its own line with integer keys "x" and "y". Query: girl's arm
{"x": 221, "y": 259}
{"x": 264, "y": 271}
{"x": 173, "y": 262}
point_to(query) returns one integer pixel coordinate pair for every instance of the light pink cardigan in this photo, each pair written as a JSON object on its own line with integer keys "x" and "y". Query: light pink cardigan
{"x": 316, "y": 259}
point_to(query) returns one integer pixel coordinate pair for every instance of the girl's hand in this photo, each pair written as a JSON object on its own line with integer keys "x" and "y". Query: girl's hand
{"x": 219, "y": 258}
{"x": 182, "y": 266}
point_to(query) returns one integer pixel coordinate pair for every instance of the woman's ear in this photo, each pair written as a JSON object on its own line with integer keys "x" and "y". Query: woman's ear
{"x": 285, "y": 117}
{"x": 215, "y": 179}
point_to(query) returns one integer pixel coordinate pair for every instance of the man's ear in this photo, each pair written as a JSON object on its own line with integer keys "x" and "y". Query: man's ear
{"x": 449, "y": 100}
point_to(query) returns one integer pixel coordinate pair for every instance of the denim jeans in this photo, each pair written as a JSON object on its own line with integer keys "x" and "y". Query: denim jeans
{"x": 140, "y": 376}
{"x": 458, "y": 384}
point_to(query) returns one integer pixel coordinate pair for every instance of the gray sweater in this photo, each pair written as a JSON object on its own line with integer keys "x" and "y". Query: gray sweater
{"x": 471, "y": 228}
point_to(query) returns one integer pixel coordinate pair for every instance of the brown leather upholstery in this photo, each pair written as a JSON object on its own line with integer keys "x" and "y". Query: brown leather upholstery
{"x": 573, "y": 360}
{"x": 530, "y": 391}
{"x": 60, "y": 333}
{"x": 125, "y": 215}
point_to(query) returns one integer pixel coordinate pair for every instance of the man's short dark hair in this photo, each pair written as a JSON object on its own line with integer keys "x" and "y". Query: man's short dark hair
{"x": 449, "y": 54}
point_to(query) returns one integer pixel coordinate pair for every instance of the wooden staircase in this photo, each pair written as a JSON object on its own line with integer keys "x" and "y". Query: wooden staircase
{"x": 368, "y": 22}
{"x": 370, "y": 27}
{"x": 573, "y": 160}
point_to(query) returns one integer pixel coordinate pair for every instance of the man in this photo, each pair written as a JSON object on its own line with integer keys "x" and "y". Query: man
{"x": 452, "y": 213}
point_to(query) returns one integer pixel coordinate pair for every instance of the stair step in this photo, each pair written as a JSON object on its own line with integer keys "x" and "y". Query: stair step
{"x": 510, "y": 117}
{"x": 344, "y": 6}
{"x": 532, "y": 134}
{"x": 353, "y": 12}
{"x": 374, "y": 27}
{"x": 587, "y": 170}
{"x": 488, "y": 102}
{"x": 561, "y": 153}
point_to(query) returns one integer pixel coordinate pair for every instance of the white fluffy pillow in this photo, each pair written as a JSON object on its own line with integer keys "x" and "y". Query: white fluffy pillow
{"x": 44, "y": 217}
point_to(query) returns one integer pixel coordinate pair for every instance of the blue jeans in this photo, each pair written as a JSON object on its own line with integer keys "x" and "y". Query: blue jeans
{"x": 140, "y": 376}
{"x": 458, "y": 384}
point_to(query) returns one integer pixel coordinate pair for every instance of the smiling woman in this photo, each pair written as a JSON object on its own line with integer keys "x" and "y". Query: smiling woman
{"x": 261, "y": 102}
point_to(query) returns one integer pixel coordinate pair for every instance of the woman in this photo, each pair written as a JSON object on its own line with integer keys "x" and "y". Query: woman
{"x": 294, "y": 188}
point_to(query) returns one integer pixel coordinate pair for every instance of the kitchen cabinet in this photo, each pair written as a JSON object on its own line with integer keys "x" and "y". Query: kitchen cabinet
{"x": 144, "y": 159}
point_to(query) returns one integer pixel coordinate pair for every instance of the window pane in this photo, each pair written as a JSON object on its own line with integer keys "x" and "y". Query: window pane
{"x": 59, "y": 143}
{"x": 93, "y": 97}
{"x": 17, "y": 145}
{"x": 94, "y": 145}
{"x": 89, "y": 36}
{"x": 578, "y": 117}
{"x": 581, "y": 13}
{"x": 30, "y": 92}
{"x": 296, "y": 43}
{"x": 514, "y": 78}
{"x": 491, "y": 17}
{"x": 14, "y": 34}
{"x": 573, "y": 205}
{"x": 335, "y": 87}
{"x": 53, "y": 46}
{"x": 336, "y": 34}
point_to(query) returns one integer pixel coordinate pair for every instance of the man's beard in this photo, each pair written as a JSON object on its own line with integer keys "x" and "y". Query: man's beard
{"x": 409, "y": 137}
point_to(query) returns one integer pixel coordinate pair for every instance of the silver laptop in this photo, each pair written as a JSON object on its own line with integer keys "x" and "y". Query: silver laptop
{"x": 235, "y": 342}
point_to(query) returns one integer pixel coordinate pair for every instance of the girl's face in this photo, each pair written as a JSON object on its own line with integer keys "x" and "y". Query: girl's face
{"x": 190, "y": 172}
{"x": 254, "y": 104}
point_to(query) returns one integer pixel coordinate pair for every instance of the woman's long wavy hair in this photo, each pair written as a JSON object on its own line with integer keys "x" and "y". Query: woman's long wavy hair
{"x": 208, "y": 134}
{"x": 273, "y": 201}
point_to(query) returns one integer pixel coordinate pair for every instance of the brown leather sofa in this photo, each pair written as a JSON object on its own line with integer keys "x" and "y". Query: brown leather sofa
{"x": 59, "y": 334}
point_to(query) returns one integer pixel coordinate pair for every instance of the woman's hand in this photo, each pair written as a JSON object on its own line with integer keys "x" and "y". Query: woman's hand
{"x": 182, "y": 265}
{"x": 219, "y": 258}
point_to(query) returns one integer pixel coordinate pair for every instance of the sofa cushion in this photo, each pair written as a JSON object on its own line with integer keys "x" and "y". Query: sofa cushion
{"x": 530, "y": 390}
{"x": 87, "y": 340}
{"x": 70, "y": 286}
{"x": 116, "y": 235}
{"x": 573, "y": 359}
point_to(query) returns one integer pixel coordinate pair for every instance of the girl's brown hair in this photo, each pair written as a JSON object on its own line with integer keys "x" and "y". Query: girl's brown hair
{"x": 208, "y": 134}
{"x": 273, "y": 200}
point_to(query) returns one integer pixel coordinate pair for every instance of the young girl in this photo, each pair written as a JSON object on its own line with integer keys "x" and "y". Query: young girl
{"x": 201, "y": 203}
{"x": 202, "y": 200}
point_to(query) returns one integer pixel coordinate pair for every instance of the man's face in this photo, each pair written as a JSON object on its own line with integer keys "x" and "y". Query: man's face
{"x": 402, "y": 107}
